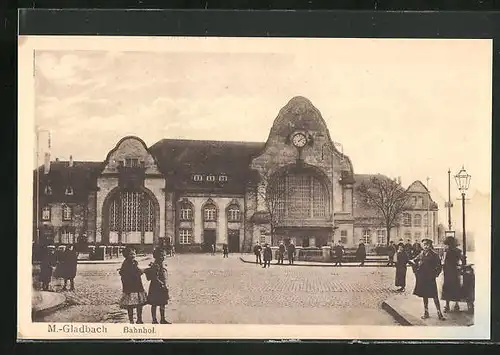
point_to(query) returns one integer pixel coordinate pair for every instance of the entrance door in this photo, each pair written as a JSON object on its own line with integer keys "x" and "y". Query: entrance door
{"x": 233, "y": 240}
{"x": 208, "y": 239}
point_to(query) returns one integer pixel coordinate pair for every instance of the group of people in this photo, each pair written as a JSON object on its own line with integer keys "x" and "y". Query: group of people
{"x": 134, "y": 297}
{"x": 267, "y": 254}
{"x": 427, "y": 266}
{"x": 61, "y": 265}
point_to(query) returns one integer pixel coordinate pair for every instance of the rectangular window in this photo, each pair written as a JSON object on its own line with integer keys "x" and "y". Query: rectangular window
{"x": 233, "y": 214}
{"x": 67, "y": 237}
{"x": 186, "y": 214}
{"x": 211, "y": 178}
{"x": 198, "y": 177}
{"x": 68, "y": 191}
{"x": 343, "y": 240}
{"x": 185, "y": 236}
{"x": 343, "y": 233}
{"x": 67, "y": 213}
{"x": 381, "y": 237}
{"x": 131, "y": 162}
{"x": 222, "y": 178}
{"x": 262, "y": 239}
{"x": 210, "y": 214}
{"x": 407, "y": 220}
{"x": 367, "y": 238}
{"x": 407, "y": 235}
{"x": 46, "y": 213}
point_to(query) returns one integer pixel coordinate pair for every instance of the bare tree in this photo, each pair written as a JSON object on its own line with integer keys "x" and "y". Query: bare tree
{"x": 388, "y": 198}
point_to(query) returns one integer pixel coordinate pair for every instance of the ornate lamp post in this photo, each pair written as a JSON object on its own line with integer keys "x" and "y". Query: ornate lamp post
{"x": 463, "y": 181}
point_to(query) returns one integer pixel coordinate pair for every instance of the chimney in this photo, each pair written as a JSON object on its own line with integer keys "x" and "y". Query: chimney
{"x": 46, "y": 167}
{"x": 70, "y": 161}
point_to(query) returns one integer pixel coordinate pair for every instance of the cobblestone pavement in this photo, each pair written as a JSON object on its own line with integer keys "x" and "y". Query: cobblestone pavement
{"x": 210, "y": 289}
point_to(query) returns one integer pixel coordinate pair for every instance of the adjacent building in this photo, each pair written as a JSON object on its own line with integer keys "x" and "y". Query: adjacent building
{"x": 198, "y": 193}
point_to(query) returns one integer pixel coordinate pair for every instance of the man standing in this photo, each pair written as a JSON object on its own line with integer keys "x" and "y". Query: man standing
{"x": 391, "y": 251}
{"x": 268, "y": 255}
{"x": 281, "y": 253}
{"x": 338, "y": 253}
{"x": 291, "y": 253}
{"x": 409, "y": 249}
{"x": 256, "y": 250}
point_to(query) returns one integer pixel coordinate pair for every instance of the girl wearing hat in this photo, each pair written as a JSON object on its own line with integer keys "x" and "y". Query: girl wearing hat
{"x": 133, "y": 295}
{"x": 428, "y": 268}
{"x": 451, "y": 286}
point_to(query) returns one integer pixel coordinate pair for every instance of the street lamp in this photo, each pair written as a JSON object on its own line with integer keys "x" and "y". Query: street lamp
{"x": 463, "y": 181}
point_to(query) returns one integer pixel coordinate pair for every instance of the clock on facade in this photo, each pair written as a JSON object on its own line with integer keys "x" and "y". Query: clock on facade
{"x": 299, "y": 140}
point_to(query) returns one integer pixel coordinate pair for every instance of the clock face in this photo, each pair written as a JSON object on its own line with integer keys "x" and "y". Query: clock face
{"x": 299, "y": 140}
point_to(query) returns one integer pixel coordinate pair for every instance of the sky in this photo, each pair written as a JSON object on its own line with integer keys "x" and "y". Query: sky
{"x": 408, "y": 108}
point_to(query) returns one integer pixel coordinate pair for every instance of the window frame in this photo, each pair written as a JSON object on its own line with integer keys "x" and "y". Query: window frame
{"x": 69, "y": 191}
{"x": 407, "y": 220}
{"x": 49, "y": 210}
{"x": 419, "y": 219}
{"x": 223, "y": 178}
{"x": 188, "y": 235}
{"x": 207, "y": 217}
{"x": 210, "y": 178}
{"x": 343, "y": 233}
{"x": 188, "y": 209}
{"x": 366, "y": 236}
{"x": 70, "y": 236}
{"x": 48, "y": 190}
{"x": 237, "y": 211}
{"x": 131, "y": 161}
{"x": 64, "y": 210}
{"x": 381, "y": 234}
{"x": 198, "y": 177}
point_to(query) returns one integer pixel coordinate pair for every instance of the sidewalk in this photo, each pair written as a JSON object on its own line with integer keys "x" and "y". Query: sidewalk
{"x": 250, "y": 258}
{"x": 407, "y": 310}
{"x": 44, "y": 302}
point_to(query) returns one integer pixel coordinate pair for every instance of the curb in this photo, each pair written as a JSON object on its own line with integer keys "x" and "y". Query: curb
{"x": 35, "y": 314}
{"x": 402, "y": 317}
{"x": 320, "y": 265}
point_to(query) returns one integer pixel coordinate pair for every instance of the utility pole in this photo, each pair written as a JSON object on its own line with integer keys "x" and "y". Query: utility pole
{"x": 449, "y": 204}
{"x": 428, "y": 209}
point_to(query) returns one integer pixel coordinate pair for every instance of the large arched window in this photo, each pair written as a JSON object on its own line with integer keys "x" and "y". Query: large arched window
{"x": 300, "y": 196}
{"x": 186, "y": 211}
{"x": 417, "y": 220}
{"x": 131, "y": 215}
{"x": 233, "y": 213}
{"x": 426, "y": 220}
{"x": 209, "y": 212}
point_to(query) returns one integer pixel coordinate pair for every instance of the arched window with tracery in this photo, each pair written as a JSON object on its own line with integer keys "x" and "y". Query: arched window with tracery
{"x": 209, "y": 212}
{"x": 300, "y": 195}
{"x": 233, "y": 213}
{"x": 185, "y": 211}
{"x": 131, "y": 218}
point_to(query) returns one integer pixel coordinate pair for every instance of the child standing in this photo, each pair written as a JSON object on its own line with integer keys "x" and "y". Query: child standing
{"x": 133, "y": 295}
{"x": 225, "y": 251}
{"x": 158, "y": 290}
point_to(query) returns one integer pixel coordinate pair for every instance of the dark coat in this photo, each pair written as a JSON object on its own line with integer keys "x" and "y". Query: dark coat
{"x": 391, "y": 250}
{"x": 68, "y": 264}
{"x": 158, "y": 288}
{"x": 131, "y": 277}
{"x": 282, "y": 249}
{"x": 401, "y": 267}
{"x": 452, "y": 290}
{"x": 268, "y": 254}
{"x": 338, "y": 252}
{"x": 47, "y": 265}
{"x": 291, "y": 249}
{"x": 257, "y": 249}
{"x": 361, "y": 253}
{"x": 428, "y": 267}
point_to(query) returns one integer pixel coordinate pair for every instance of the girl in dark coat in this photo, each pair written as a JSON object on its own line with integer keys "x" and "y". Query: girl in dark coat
{"x": 68, "y": 266}
{"x": 361, "y": 254}
{"x": 401, "y": 267}
{"x": 428, "y": 268}
{"x": 268, "y": 255}
{"x": 47, "y": 266}
{"x": 451, "y": 286}
{"x": 133, "y": 295}
{"x": 158, "y": 288}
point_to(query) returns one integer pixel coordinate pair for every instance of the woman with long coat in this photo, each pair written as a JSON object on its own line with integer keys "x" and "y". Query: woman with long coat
{"x": 428, "y": 268}
{"x": 68, "y": 264}
{"x": 361, "y": 254}
{"x": 451, "y": 278}
{"x": 401, "y": 267}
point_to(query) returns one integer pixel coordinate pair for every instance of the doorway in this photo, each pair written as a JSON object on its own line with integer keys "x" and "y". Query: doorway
{"x": 208, "y": 239}
{"x": 233, "y": 240}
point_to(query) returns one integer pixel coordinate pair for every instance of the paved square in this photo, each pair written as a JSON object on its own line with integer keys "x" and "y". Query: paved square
{"x": 210, "y": 289}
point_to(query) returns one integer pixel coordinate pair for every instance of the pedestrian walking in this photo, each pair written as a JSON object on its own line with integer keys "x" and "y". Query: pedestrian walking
{"x": 281, "y": 253}
{"x": 291, "y": 253}
{"x": 225, "y": 251}
{"x": 47, "y": 265}
{"x": 428, "y": 268}
{"x": 68, "y": 265}
{"x": 338, "y": 253}
{"x": 451, "y": 290}
{"x": 361, "y": 254}
{"x": 257, "y": 249}
{"x": 268, "y": 255}
{"x": 401, "y": 267}
{"x": 158, "y": 295}
{"x": 391, "y": 252}
{"x": 133, "y": 296}
{"x": 213, "y": 249}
